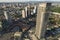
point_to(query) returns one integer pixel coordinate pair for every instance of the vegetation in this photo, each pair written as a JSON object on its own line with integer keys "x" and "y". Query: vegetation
{"x": 17, "y": 15}
{"x": 59, "y": 22}
{"x": 55, "y": 9}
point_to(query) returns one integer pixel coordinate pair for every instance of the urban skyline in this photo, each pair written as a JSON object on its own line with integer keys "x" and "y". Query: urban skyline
{"x": 29, "y": 21}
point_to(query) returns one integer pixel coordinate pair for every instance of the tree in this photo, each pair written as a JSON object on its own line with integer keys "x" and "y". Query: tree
{"x": 55, "y": 9}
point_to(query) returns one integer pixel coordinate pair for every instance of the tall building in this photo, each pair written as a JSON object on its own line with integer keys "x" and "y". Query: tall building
{"x": 26, "y": 11}
{"x": 42, "y": 19}
{"x": 31, "y": 9}
{"x": 23, "y": 14}
{"x": 0, "y": 26}
{"x": 6, "y": 15}
{"x": 34, "y": 11}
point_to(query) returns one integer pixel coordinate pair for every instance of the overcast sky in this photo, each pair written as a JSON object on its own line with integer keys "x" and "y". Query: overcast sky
{"x": 25, "y": 0}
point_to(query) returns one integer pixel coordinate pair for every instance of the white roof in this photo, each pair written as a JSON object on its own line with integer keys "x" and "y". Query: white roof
{"x": 56, "y": 13}
{"x": 17, "y": 34}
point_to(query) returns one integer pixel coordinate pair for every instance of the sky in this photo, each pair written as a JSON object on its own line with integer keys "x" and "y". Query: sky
{"x": 18, "y": 0}
{"x": 26, "y": 0}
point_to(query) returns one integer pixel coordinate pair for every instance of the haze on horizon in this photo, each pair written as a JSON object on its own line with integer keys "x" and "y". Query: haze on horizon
{"x": 28, "y": 0}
